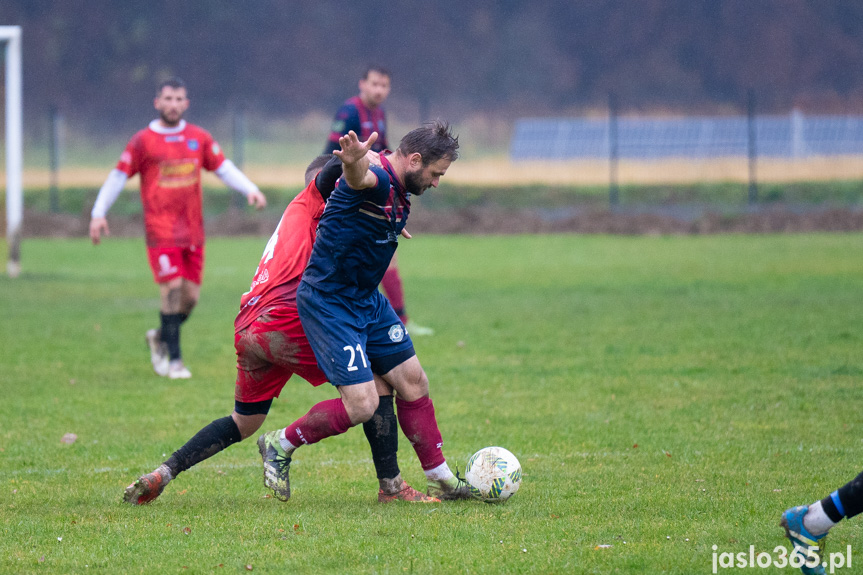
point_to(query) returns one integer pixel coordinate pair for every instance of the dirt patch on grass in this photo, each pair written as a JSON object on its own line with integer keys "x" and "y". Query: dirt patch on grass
{"x": 496, "y": 220}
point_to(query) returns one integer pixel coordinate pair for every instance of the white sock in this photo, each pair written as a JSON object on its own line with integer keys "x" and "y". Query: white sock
{"x": 816, "y": 521}
{"x": 286, "y": 445}
{"x": 441, "y": 472}
{"x": 165, "y": 472}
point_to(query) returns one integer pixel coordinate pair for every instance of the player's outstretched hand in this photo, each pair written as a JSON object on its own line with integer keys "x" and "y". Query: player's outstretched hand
{"x": 97, "y": 227}
{"x": 257, "y": 199}
{"x": 355, "y": 161}
{"x": 353, "y": 150}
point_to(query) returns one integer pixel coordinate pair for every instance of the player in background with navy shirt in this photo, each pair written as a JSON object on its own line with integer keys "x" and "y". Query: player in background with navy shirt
{"x": 365, "y": 114}
{"x": 352, "y": 328}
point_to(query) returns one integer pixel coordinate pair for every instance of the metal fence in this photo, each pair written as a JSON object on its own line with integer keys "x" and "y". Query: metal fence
{"x": 792, "y": 136}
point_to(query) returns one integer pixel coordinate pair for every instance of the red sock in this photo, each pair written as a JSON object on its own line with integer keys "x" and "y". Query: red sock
{"x": 419, "y": 425}
{"x": 392, "y": 284}
{"x": 323, "y": 420}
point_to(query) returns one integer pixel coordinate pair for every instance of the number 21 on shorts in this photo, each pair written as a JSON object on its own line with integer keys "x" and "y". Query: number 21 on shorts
{"x": 352, "y": 361}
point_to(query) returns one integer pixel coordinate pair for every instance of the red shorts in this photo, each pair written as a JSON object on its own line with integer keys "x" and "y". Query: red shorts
{"x": 174, "y": 262}
{"x": 272, "y": 349}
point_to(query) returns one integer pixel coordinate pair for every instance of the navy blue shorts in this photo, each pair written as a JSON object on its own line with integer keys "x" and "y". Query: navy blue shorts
{"x": 348, "y": 335}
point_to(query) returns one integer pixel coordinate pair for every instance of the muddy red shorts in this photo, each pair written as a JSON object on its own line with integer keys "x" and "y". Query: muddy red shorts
{"x": 272, "y": 349}
{"x": 173, "y": 262}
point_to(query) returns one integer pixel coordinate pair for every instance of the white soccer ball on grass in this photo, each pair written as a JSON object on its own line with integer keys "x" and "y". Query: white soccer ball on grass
{"x": 493, "y": 474}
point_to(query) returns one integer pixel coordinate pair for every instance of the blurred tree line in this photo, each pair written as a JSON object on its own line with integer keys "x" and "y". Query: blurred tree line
{"x": 99, "y": 60}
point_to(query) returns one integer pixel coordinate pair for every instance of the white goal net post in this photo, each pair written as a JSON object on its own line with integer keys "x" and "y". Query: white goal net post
{"x": 10, "y": 41}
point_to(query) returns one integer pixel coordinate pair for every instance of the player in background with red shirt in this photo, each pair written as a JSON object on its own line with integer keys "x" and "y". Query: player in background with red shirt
{"x": 364, "y": 114}
{"x": 271, "y": 347}
{"x": 169, "y": 155}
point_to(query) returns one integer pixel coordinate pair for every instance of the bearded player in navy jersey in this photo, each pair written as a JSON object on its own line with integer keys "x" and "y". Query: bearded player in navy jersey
{"x": 352, "y": 328}
{"x": 364, "y": 114}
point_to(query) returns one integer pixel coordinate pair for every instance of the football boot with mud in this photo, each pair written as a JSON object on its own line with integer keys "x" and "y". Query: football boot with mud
{"x": 158, "y": 352}
{"x": 449, "y": 489}
{"x": 277, "y": 465}
{"x": 397, "y": 489}
{"x": 178, "y": 370}
{"x": 147, "y": 487}
{"x": 808, "y": 548}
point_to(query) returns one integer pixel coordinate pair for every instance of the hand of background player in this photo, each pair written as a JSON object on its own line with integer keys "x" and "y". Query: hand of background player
{"x": 97, "y": 226}
{"x": 405, "y": 234}
{"x": 257, "y": 199}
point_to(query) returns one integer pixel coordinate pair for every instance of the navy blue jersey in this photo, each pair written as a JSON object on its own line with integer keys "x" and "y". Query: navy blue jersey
{"x": 358, "y": 235}
{"x": 354, "y": 115}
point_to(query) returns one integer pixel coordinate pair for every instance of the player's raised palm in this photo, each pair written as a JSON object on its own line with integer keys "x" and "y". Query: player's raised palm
{"x": 353, "y": 150}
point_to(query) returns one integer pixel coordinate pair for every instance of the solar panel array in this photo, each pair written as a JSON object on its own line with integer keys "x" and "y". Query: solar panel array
{"x": 794, "y": 136}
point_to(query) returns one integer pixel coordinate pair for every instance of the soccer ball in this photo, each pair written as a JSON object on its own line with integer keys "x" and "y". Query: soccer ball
{"x": 493, "y": 474}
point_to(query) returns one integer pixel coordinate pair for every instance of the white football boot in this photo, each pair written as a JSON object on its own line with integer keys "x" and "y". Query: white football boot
{"x": 158, "y": 353}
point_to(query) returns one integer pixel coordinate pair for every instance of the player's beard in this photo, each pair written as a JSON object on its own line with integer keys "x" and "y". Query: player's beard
{"x": 172, "y": 120}
{"x": 414, "y": 184}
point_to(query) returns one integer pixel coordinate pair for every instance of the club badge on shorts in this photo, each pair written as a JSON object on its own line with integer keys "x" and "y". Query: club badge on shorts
{"x": 397, "y": 333}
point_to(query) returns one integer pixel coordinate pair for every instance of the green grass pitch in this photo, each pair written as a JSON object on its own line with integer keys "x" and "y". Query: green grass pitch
{"x": 663, "y": 394}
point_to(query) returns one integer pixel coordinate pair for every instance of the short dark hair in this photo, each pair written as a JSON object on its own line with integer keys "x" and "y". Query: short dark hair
{"x": 379, "y": 69}
{"x": 316, "y": 166}
{"x": 433, "y": 141}
{"x": 174, "y": 83}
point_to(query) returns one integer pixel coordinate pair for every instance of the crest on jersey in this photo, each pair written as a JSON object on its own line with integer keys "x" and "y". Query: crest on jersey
{"x": 397, "y": 333}
{"x": 193, "y": 144}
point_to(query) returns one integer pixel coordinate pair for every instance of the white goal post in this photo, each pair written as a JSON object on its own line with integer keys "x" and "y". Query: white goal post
{"x": 10, "y": 39}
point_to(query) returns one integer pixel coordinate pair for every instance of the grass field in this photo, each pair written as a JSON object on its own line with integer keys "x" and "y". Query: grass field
{"x": 722, "y": 195}
{"x": 664, "y": 395}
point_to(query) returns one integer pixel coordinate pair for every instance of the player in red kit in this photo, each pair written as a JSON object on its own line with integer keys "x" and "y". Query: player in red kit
{"x": 364, "y": 114}
{"x": 271, "y": 347}
{"x": 169, "y": 155}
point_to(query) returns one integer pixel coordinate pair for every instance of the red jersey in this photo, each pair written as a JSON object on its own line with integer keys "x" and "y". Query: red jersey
{"x": 170, "y": 161}
{"x": 285, "y": 258}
